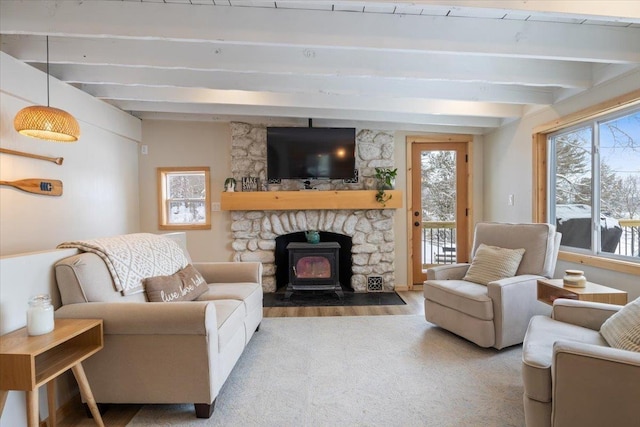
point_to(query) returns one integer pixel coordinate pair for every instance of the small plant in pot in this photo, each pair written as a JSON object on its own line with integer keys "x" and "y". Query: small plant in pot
{"x": 230, "y": 185}
{"x": 386, "y": 181}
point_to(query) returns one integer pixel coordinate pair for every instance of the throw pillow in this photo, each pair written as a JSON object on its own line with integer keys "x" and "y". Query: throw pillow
{"x": 622, "y": 330}
{"x": 184, "y": 285}
{"x": 492, "y": 263}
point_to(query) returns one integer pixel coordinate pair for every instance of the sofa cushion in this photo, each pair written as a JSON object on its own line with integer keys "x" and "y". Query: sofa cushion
{"x": 184, "y": 285}
{"x": 249, "y": 293}
{"x": 230, "y": 316}
{"x": 491, "y": 263}
{"x": 622, "y": 330}
{"x": 537, "y": 352}
{"x": 467, "y": 297}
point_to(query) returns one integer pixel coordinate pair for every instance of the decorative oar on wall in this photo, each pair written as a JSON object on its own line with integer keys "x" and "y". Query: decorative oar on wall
{"x": 46, "y": 187}
{"x": 56, "y": 160}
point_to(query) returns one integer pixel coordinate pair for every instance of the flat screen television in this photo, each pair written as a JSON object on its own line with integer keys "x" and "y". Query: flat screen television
{"x": 303, "y": 153}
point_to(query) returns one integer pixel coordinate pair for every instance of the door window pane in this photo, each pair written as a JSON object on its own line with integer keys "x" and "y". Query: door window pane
{"x": 438, "y": 191}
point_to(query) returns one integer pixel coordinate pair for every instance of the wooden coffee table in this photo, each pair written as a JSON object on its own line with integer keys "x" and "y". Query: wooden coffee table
{"x": 551, "y": 289}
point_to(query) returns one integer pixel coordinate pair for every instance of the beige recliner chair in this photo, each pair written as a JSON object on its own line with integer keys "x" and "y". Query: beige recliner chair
{"x": 495, "y": 315}
{"x": 571, "y": 376}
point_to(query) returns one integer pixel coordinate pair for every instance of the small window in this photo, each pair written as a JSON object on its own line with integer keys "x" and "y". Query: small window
{"x": 184, "y": 198}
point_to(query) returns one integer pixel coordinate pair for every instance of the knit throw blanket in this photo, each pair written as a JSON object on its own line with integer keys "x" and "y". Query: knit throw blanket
{"x": 131, "y": 258}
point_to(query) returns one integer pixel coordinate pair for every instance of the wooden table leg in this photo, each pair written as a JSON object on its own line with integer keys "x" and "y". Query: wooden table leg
{"x": 33, "y": 419}
{"x": 51, "y": 401}
{"x": 83, "y": 383}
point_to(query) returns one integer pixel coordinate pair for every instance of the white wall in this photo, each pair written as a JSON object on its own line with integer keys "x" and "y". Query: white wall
{"x": 508, "y": 170}
{"x": 175, "y": 143}
{"x": 100, "y": 197}
{"x": 99, "y": 172}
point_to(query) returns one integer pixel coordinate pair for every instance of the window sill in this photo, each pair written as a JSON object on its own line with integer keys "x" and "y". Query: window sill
{"x": 620, "y": 266}
{"x": 185, "y": 227}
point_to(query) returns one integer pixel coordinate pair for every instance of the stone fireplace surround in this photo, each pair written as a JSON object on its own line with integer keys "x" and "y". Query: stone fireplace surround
{"x": 371, "y": 230}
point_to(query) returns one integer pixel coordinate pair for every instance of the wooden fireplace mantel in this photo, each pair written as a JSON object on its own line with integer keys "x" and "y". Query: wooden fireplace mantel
{"x": 305, "y": 200}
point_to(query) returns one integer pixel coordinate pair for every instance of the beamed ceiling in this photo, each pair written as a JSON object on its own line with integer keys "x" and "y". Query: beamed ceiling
{"x": 431, "y": 66}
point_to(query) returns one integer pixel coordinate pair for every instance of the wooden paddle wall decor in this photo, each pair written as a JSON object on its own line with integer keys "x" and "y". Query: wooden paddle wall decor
{"x": 46, "y": 187}
{"x": 56, "y": 160}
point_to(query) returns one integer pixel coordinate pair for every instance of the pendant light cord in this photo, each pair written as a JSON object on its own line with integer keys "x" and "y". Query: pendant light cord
{"x": 47, "y": 71}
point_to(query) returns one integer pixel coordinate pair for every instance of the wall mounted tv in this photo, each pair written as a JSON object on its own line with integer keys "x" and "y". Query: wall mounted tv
{"x": 303, "y": 153}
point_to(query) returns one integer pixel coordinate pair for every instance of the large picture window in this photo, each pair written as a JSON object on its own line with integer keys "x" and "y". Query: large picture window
{"x": 184, "y": 198}
{"x": 594, "y": 185}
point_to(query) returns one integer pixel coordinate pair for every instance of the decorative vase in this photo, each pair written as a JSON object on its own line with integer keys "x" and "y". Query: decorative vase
{"x": 574, "y": 278}
{"x": 312, "y": 236}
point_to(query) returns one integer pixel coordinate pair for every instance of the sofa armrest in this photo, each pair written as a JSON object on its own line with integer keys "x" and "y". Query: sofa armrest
{"x": 447, "y": 272}
{"x": 147, "y": 318}
{"x": 583, "y": 313}
{"x": 230, "y": 272}
{"x": 594, "y": 385}
{"x": 514, "y": 302}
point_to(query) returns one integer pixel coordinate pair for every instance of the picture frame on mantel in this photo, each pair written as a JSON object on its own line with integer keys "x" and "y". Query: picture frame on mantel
{"x": 250, "y": 183}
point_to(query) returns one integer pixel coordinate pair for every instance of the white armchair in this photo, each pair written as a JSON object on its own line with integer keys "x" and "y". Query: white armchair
{"x": 495, "y": 315}
{"x": 571, "y": 376}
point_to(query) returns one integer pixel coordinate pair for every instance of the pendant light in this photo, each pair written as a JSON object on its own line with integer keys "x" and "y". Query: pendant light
{"x": 47, "y": 122}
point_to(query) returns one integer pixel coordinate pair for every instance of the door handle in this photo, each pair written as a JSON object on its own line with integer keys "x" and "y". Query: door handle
{"x": 416, "y": 213}
{"x": 417, "y": 224}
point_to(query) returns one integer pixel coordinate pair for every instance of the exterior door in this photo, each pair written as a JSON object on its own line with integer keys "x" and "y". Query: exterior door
{"x": 439, "y": 204}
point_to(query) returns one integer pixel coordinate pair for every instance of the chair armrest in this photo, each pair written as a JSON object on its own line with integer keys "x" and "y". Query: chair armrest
{"x": 147, "y": 318}
{"x": 230, "y": 272}
{"x": 514, "y": 304}
{"x": 447, "y": 272}
{"x": 583, "y": 313}
{"x": 594, "y": 385}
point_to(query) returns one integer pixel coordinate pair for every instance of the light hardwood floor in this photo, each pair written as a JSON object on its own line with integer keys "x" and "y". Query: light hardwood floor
{"x": 119, "y": 415}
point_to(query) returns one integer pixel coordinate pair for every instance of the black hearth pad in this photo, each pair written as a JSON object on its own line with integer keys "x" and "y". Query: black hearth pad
{"x": 330, "y": 299}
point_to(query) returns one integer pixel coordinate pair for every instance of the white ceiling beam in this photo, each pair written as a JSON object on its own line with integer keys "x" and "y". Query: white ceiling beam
{"x": 320, "y": 113}
{"x": 287, "y": 61}
{"x": 600, "y": 10}
{"x": 296, "y": 121}
{"x": 291, "y": 100}
{"x": 310, "y": 28}
{"x": 353, "y": 86}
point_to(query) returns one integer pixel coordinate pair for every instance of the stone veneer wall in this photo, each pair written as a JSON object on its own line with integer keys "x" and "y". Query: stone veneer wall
{"x": 371, "y": 230}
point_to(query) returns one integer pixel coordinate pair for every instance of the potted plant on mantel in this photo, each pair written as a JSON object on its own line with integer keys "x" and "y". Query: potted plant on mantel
{"x": 386, "y": 181}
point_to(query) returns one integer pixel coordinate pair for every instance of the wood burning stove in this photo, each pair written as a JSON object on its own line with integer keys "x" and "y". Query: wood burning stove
{"x": 313, "y": 267}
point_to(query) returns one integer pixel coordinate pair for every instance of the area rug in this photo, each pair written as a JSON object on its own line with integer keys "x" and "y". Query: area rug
{"x": 331, "y": 299}
{"x": 360, "y": 371}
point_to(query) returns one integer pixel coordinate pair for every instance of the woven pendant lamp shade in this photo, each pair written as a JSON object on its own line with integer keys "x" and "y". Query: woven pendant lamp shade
{"x": 53, "y": 124}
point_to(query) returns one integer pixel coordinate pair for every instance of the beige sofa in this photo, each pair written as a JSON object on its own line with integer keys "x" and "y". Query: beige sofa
{"x": 163, "y": 352}
{"x": 571, "y": 376}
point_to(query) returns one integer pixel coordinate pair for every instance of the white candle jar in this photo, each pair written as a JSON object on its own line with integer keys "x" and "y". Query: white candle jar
{"x": 40, "y": 315}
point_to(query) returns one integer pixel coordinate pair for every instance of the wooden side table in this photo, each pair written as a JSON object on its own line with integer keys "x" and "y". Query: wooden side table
{"x": 27, "y": 362}
{"x": 551, "y": 289}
